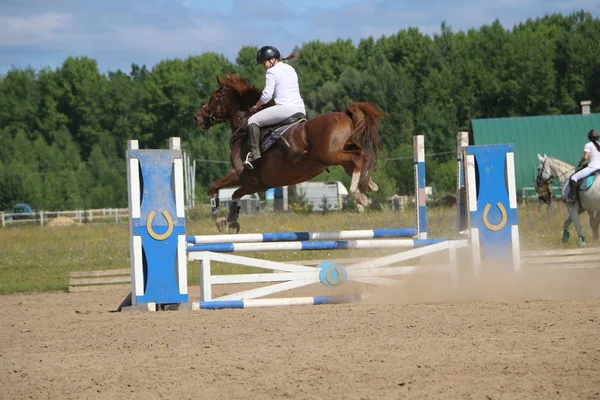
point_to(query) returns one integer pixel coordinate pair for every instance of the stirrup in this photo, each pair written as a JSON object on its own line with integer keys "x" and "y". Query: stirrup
{"x": 248, "y": 162}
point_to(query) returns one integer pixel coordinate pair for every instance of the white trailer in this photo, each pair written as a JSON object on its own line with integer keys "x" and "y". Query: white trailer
{"x": 249, "y": 204}
{"x": 321, "y": 194}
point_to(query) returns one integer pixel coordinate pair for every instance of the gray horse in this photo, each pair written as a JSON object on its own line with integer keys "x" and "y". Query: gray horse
{"x": 588, "y": 200}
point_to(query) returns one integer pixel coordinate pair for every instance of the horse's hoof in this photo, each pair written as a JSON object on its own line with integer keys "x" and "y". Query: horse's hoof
{"x": 582, "y": 242}
{"x": 221, "y": 223}
{"x": 565, "y": 238}
{"x": 373, "y": 186}
{"x": 361, "y": 199}
{"x": 234, "y": 227}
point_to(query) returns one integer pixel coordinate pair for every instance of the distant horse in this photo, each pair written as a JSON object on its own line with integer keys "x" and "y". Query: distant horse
{"x": 544, "y": 192}
{"x": 586, "y": 200}
{"x": 306, "y": 148}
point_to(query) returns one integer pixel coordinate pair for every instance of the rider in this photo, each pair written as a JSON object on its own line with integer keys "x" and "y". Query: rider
{"x": 591, "y": 151}
{"x": 281, "y": 84}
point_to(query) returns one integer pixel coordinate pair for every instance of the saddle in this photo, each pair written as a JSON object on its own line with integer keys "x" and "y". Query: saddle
{"x": 587, "y": 182}
{"x": 270, "y": 134}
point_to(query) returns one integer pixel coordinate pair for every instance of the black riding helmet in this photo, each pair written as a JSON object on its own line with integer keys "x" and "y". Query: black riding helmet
{"x": 266, "y": 53}
{"x": 593, "y": 134}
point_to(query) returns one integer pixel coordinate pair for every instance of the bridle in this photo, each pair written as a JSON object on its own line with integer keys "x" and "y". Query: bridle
{"x": 541, "y": 170}
{"x": 217, "y": 103}
{"x": 550, "y": 175}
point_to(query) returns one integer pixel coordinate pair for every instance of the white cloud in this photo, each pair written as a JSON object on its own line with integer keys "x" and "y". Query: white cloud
{"x": 205, "y": 33}
{"x": 34, "y": 29}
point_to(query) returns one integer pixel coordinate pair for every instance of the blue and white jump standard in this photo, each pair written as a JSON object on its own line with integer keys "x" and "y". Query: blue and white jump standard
{"x": 492, "y": 205}
{"x": 420, "y": 194}
{"x": 157, "y": 244}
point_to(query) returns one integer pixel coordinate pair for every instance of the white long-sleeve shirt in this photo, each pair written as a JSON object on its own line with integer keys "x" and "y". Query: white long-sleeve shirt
{"x": 594, "y": 155}
{"x": 281, "y": 84}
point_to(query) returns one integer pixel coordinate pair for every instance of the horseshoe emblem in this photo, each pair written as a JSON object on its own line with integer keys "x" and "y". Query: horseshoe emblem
{"x": 338, "y": 273}
{"x": 486, "y": 221}
{"x": 155, "y": 235}
{"x": 332, "y": 274}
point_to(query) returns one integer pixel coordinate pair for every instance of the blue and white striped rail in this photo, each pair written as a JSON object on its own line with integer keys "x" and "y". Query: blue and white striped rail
{"x": 320, "y": 245}
{"x": 303, "y": 236}
{"x": 290, "y": 301}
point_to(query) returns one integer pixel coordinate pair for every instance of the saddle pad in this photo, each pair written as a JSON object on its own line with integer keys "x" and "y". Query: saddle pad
{"x": 277, "y": 133}
{"x": 586, "y": 183}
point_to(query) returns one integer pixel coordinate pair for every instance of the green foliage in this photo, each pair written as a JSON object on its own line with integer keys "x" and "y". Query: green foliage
{"x": 64, "y": 131}
{"x": 298, "y": 203}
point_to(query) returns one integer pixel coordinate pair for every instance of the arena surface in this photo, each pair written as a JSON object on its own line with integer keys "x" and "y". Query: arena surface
{"x": 536, "y": 338}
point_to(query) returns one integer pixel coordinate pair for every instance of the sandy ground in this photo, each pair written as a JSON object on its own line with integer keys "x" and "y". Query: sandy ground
{"x": 496, "y": 338}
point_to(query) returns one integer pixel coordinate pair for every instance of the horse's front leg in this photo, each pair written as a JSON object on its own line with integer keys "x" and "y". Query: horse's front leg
{"x": 565, "y": 236}
{"x": 229, "y": 180}
{"x": 234, "y": 208}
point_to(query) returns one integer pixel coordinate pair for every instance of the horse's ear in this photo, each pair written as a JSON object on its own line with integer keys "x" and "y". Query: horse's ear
{"x": 219, "y": 81}
{"x": 540, "y": 157}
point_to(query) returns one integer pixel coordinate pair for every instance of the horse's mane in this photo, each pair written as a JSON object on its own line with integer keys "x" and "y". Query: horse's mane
{"x": 561, "y": 168}
{"x": 562, "y": 165}
{"x": 240, "y": 85}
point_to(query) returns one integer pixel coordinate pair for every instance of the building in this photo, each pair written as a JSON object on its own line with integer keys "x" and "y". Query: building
{"x": 559, "y": 136}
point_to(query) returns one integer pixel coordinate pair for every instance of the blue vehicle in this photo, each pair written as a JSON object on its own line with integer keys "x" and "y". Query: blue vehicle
{"x": 22, "y": 211}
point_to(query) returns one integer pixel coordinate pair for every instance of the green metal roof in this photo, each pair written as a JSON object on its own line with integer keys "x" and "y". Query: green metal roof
{"x": 559, "y": 136}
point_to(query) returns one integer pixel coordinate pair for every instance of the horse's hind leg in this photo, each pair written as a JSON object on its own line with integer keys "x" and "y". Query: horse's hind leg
{"x": 360, "y": 198}
{"x": 594, "y": 223}
{"x": 372, "y": 186}
{"x": 574, "y": 215}
{"x": 352, "y": 162}
{"x": 229, "y": 180}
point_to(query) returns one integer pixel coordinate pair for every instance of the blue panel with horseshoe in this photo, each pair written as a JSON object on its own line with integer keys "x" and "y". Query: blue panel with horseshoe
{"x": 494, "y": 217}
{"x": 332, "y": 274}
{"x": 158, "y": 226}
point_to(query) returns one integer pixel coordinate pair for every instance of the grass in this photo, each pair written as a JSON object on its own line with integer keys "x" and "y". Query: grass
{"x": 39, "y": 259}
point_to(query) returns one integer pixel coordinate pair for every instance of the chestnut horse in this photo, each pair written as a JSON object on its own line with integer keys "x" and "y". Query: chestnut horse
{"x": 350, "y": 139}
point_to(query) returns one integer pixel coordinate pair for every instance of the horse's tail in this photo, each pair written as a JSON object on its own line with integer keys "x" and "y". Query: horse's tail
{"x": 365, "y": 135}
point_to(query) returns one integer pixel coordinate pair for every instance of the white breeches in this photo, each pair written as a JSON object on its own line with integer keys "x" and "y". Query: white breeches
{"x": 587, "y": 171}
{"x": 274, "y": 114}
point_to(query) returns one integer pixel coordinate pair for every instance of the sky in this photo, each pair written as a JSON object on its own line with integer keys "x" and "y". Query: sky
{"x": 117, "y": 33}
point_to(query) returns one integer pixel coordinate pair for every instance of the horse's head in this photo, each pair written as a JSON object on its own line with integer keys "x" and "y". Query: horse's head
{"x": 215, "y": 110}
{"x": 544, "y": 172}
{"x": 233, "y": 95}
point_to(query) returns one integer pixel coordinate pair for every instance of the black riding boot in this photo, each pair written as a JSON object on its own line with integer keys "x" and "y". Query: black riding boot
{"x": 254, "y": 143}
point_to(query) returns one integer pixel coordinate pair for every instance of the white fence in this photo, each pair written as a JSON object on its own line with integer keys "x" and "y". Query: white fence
{"x": 44, "y": 217}
{"x": 529, "y": 194}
